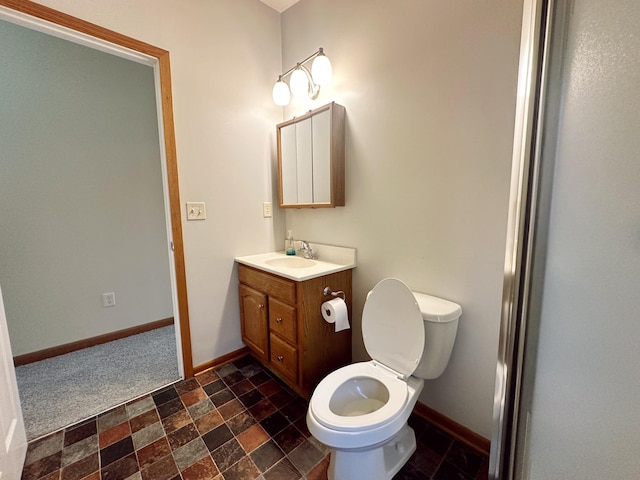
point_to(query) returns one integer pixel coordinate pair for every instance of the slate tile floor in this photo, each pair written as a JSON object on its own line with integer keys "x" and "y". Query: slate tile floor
{"x": 234, "y": 422}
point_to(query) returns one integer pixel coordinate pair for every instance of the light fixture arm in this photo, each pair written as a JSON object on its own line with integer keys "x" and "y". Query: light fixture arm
{"x": 310, "y": 57}
{"x": 314, "y": 90}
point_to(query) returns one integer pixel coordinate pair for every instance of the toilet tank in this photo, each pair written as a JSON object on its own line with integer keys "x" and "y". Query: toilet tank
{"x": 440, "y": 318}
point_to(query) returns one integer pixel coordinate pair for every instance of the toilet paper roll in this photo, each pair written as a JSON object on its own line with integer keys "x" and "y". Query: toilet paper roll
{"x": 335, "y": 311}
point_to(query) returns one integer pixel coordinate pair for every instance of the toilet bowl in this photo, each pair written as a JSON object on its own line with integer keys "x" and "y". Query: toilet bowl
{"x": 361, "y": 411}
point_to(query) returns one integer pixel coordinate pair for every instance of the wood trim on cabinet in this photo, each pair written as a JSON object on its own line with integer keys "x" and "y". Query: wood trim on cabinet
{"x": 316, "y": 363}
{"x": 45, "y": 13}
{"x": 27, "y": 358}
{"x": 338, "y": 155}
{"x": 270, "y": 284}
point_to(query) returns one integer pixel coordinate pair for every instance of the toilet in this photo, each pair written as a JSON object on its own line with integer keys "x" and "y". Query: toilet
{"x": 361, "y": 411}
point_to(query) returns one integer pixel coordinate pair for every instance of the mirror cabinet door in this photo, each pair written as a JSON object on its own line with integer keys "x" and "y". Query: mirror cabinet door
{"x": 304, "y": 161}
{"x": 321, "y": 155}
{"x": 288, "y": 165}
{"x": 311, "y": 159}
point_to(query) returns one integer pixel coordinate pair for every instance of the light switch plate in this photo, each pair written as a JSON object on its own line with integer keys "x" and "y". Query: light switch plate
{"x": 267, "y": 210}
{"x": 196, "y": 211}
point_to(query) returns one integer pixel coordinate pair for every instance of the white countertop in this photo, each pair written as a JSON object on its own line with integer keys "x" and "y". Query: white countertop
{"x": 331, "y": 259}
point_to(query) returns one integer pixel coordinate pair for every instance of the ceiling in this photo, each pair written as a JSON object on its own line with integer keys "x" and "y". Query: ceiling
{"x": 279, "y": 5}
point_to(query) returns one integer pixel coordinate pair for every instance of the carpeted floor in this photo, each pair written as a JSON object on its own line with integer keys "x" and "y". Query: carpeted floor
{"x": 63, "y": 390}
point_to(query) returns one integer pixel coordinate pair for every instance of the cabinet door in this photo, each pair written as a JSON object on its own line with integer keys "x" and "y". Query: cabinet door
{"x": 321, "y": 157}
{"x": 304, "y": 162}
{"x": 254, "y": 321}
{"x": 288, "y": 164}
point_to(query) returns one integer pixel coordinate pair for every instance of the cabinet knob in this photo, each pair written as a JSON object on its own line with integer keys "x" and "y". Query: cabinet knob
{"x": 280, "y": 358}
{"x": 261, "y": 305}
{"x": 278, "y": 320}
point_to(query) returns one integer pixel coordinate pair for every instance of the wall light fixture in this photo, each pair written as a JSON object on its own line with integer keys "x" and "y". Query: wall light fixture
{"x": 302, "y": 81}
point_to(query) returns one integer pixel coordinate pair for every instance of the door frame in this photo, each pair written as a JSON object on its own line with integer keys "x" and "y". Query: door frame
{"x": 13, "y": 448}
{"x": 53, "y": 22}
{"x": 524, "y": 205}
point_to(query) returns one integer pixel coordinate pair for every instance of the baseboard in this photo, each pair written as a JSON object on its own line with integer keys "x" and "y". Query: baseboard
{"x": 89, "y": 342}
{"x": 457, "y": 431}
{"x": 229, "y": 357}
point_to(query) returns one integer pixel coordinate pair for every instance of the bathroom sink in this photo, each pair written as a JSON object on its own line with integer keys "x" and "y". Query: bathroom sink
{"x": 332, "y": 259}
{"x": 291, "y": 262}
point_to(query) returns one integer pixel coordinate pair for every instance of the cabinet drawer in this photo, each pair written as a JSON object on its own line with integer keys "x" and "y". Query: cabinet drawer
{"x": 284, "y": 358}
{"x": 272, "y": 285}
{"x": 282, "y": 320}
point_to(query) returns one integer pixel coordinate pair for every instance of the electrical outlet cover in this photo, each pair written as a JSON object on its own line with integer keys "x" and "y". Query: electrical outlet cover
{"x": 108, "y": 299}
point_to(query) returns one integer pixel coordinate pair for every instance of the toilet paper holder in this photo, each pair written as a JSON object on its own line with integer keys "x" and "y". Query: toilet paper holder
{"x": 327, "y": 291}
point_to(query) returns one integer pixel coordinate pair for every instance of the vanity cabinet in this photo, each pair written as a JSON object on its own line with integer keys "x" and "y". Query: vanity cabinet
{"x": 283, "y": 326}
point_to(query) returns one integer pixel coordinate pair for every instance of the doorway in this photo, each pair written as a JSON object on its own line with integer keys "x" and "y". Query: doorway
{"x": 70, "y": 241}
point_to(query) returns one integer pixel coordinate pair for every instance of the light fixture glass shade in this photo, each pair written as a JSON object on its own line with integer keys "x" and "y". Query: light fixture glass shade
{"x": 299, "y": 83}
{"x": 321, "y": 69}
{"x": 281, "y": 94}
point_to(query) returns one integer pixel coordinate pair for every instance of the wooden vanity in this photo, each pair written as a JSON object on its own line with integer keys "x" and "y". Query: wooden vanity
{"x": 283, "y": 326}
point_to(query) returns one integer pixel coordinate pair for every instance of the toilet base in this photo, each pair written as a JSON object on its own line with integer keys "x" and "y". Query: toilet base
{"x": 379, "y": 462}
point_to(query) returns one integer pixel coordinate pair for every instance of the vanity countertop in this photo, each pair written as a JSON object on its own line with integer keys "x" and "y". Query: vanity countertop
{"x": 330, "y": 259}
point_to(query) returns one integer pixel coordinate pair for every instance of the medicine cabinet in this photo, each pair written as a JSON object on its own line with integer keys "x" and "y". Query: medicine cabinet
{"x": 311, "y": 159}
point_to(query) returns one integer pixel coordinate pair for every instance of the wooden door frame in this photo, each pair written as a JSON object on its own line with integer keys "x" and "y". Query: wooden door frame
{"x": 160, "y": 59}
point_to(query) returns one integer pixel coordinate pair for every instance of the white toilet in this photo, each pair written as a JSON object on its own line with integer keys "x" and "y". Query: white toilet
{"x": 360, "y": 411}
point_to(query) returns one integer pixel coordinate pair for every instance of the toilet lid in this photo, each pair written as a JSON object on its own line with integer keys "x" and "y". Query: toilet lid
{"x": 392, "y": 326}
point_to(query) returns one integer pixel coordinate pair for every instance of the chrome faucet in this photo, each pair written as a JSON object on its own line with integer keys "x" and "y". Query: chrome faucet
{"x": 306, "y": 250}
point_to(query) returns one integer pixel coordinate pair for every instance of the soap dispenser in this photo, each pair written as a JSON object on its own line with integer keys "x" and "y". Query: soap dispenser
{"x": 290, "y": 248}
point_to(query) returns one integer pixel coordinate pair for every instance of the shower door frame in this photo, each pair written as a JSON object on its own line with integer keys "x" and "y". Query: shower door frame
{"x": 524, "y": 200}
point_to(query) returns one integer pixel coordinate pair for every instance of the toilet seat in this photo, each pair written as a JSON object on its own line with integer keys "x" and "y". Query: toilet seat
{"x": 396, "y": 349}
{"x": 321, "y": 398}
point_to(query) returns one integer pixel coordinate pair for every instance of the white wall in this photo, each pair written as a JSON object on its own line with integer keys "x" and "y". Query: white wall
{"x": 585, "y": 421}
{"x": 429, "y": 90}
{"x": 225, "y": 55}
{"x": 81, "y": 202}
